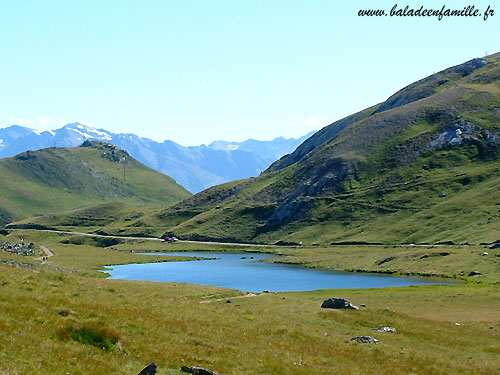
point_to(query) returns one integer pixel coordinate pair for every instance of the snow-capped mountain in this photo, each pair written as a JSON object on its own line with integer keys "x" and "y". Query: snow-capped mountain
{"x": 196, "y": 168}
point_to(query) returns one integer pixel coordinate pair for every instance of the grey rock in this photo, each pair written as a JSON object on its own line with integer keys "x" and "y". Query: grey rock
{"x": 338, "y": 303}
{"x": 460, "y": 133}
{"x": 385, "y": 329}
{"x": 150, "y": 370}
{"x": 18, "y": 248}
{"x": 385, "y": 260}
{"x": 474, "y": 273}
{"x": 495, "y": 245}
{"x": 364, "y": 339}
{"x": 197, "y": 370}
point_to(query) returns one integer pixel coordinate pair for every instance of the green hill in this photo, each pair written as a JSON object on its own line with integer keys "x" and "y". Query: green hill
{"x": 423, "y": 166}
{"x": 58, "y": 179}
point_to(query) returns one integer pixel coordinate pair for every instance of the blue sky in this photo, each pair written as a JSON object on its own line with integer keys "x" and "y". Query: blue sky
{"x": 197, "y": 71}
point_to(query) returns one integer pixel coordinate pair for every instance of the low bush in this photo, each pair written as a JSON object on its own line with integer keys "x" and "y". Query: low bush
{"x": 92, "y": 334}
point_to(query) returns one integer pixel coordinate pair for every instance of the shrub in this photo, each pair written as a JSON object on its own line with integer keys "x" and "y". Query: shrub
{"x": 92, "y": 334}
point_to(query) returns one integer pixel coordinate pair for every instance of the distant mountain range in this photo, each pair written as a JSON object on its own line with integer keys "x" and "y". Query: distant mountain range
{"x": 196, "y": 168}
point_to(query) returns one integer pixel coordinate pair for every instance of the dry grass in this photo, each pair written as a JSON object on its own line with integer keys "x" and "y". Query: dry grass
{"x": 282, "y": 333}
{"x": 267, "y": 334}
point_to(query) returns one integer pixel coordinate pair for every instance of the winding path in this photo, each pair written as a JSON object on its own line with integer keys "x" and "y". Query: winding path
{"x": 158, "y": 239}
{"x": 47, "y": 252}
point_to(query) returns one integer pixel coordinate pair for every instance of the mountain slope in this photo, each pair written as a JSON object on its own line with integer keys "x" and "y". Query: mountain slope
{"x": 196, "y": 168}
{"x": 58, "y": 179}
{"x": 422, "y": 166}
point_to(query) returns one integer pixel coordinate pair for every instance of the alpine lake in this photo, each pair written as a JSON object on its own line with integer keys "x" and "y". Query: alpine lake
{"x": 247, "y": 272}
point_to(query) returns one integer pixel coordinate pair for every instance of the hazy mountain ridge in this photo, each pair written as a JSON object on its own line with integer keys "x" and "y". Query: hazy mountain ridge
{"x": 195, "y": 167}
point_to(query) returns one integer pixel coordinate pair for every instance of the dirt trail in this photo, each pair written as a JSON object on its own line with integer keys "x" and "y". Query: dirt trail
{"x": 47, "y": 252}
{"x": 159, "y": 239}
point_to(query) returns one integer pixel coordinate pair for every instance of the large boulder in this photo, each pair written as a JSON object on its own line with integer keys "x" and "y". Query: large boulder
{"x": 364, "y": 339}
{"x": 150, "y": 370}
{"x": 197, "y": 370}
{"x": 338, "y": 303}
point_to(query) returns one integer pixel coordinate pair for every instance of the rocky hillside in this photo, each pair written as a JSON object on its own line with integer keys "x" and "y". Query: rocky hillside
{"x": 423, "y": 166}
{"x": 58, "y": 179}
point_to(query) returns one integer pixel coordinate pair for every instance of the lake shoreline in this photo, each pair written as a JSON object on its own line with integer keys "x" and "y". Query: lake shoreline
{"x": 307, "y": 265}
{"x": 259, "y": 272}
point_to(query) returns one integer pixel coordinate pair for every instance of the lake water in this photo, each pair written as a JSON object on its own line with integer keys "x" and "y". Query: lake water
{"x": 250, "y": 275}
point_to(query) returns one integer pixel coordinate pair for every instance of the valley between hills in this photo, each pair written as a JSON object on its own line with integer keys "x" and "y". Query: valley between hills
{"x": 409, "y": 186}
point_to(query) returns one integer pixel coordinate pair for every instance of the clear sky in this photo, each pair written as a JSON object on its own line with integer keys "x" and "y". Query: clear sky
{"x": 196, "y": 71}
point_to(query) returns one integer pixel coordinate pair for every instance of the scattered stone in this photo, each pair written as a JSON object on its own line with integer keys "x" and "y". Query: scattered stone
{"x": 150, "y": 370}
{"x": 18, "y": 248}
{"x": 363, "y": 305}
{"x": 485, "y": 253}
{"x": 228, "y": 301}
{"x": 388, "y": 309}
{"x": 385, "y": 260}
{"x": 364, "y": 339}
{"x": 265, "y": 291}
{"x": 338, "y": 303}
{"x": 495, "y": 245}
{"x": 438, "y": 254}
{"x": 385, "y": 329}
{"x": 197, "y": 370}
{"x": 474, "y": 273}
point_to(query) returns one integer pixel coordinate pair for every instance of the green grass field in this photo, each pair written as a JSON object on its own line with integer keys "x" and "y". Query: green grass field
{"x": 57, "y": 317}
{"x": 61, "y": 179}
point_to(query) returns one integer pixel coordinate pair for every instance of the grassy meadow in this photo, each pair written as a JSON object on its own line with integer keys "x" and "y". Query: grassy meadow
{"x": 57, "y": 317}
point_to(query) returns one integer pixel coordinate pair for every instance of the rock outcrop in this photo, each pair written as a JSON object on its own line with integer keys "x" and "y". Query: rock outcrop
{"x": 18, "y": 248}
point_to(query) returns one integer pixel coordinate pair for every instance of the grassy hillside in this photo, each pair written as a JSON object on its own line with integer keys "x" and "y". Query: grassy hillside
{"x": 59, "y": 179}
{"x": 421, "y": 167}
